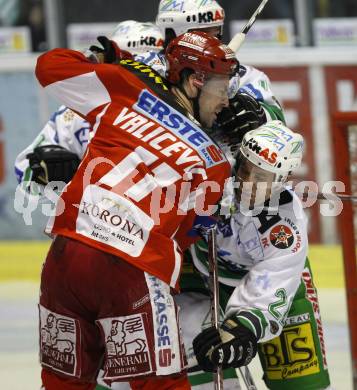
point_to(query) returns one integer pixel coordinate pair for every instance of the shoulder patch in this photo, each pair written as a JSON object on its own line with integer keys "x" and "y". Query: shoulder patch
{"x": 282, "y": 237}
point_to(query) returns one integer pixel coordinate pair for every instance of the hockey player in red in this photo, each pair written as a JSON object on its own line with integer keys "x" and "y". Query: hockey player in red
{"x": 121, "y": 224}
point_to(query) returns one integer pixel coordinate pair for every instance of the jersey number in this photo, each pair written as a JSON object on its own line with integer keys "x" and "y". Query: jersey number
{"x": 273, "y": 307}
{"x": 163, "y": 175}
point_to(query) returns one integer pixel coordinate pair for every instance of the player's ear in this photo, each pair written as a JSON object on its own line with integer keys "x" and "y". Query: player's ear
{"x": 191, "y": 86}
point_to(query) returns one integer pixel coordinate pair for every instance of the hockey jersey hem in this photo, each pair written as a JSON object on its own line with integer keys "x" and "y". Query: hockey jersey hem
{"x": 106, "y": 248}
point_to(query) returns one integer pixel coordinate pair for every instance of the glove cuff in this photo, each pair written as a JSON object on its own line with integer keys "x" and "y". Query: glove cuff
{"x": 238, "y": 330}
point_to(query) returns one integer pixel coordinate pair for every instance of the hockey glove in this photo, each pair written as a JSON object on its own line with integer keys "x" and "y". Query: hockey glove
{"x": 243, "y": 114}
{"x": 233, "y": 345}
{"x": 52, "y": 163}
{"x": 110, "y": 52}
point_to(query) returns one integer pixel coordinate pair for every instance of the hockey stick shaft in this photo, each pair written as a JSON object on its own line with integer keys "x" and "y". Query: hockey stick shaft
{"x": 326, "y": 196}
{"x": 214, "y": 293}
{"x": 215, "y": 308}
{"x": 239, "y": 38}
{"x": 247, "y": 378}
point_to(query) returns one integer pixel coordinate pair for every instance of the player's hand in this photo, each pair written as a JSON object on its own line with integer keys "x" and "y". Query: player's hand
{"x": 243, "y": 114}
{"x": 233, "y": 345}
{"x": 52, "y": 163}
{"x": 109, "y": 53}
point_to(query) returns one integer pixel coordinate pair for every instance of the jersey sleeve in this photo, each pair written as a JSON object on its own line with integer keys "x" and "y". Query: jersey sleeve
{"x": 72, "y": 131}
{"x": 69, "y": 77}
{"x": 262, "y": 298}
{"x": 257, "y": 84}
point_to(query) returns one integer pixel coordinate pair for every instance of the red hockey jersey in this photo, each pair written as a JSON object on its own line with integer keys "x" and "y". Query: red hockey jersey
{"x": 148, "y": 170}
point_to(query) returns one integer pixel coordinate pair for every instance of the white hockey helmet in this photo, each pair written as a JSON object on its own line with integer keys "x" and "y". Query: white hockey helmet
{"x": 274, "y": 148}
{"x": 137, "y": 38}
{"x": 184, "y": 15}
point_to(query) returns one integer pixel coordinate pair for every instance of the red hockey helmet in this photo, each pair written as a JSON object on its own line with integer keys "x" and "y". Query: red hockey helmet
{"x": 200, "y": 52}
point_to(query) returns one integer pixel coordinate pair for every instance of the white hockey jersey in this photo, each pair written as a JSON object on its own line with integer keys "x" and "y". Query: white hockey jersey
{"x": 263, "y": 257}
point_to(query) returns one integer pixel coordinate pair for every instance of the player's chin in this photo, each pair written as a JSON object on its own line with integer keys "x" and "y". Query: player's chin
{"x": 211, "y": 118}
{"x": 206, "y": 121}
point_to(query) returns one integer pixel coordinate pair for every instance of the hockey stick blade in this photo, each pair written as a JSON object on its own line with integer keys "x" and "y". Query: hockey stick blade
{"x": 239, "y": 38}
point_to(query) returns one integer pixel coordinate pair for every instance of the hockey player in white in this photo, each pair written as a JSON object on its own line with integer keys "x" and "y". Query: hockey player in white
{"x": 266, "y": 282}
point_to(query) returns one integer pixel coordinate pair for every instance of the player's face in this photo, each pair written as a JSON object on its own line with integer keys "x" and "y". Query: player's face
{"x": 213, "y": 98}
{"x": 255, "y": 184}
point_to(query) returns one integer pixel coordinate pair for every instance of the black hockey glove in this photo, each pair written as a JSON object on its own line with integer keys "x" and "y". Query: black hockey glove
{"x": 52, "y": 163}
{"x": 111, "y": 52}
{"x": 233, "y": 345}
{"x": 243, "y": 114}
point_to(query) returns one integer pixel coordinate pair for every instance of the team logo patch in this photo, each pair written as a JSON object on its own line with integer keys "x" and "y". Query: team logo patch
{"x": 281, "y": 237}
{"x": 126, "y": 347}
{"x": 58, "y": 342}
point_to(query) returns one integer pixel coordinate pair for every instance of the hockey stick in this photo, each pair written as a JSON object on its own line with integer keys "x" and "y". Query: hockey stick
{"x": 214, "y": 295}
{"x": 247, "y": 378}
{"x": 304, "y": 196}
{"x": 215, "y": 307}
{"x": 238, "y": 39}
